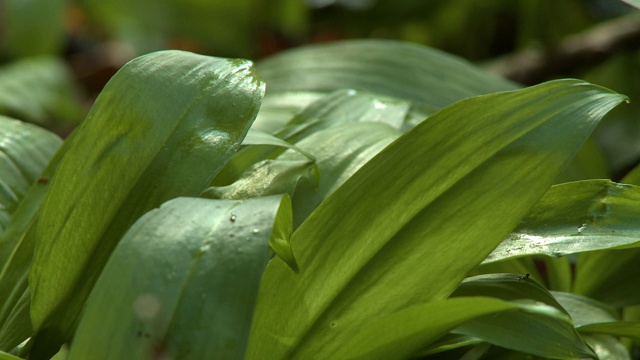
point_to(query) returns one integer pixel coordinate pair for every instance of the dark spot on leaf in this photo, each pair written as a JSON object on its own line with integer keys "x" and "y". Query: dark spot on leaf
{"x": 43, "y": 180}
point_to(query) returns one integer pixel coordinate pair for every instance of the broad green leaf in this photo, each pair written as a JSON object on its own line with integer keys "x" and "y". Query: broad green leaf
{"x": 585, "y": 311}
{"x": 506, "y": 287}
{"x": 546, "y": 332}
{"x": 25, "y": 150}
{"x": 448, "y": 342}
{"x": 278, "y": 109}
{"x": 390, "y": 68}
{"x": 193, "y": 268}
{"x": 576, "y": 217}
{"x": 38, "y": 89}
{"x": 401, "y": 334}
{"x": 34, "y": 27}
{"x": 162, "y": 128}
{"x": 16, "y": 252}
{"x": 418, "y": 200}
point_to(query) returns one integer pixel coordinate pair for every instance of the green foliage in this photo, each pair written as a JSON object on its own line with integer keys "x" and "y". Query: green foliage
{"x": 408, "y": 170}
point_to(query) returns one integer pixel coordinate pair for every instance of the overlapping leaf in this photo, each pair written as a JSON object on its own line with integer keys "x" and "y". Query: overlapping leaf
{"x": 418, "y": 199}
{"x": 162, "y": 128}
{"x": 192, "y": 269}
{"x": 576, "y": 217}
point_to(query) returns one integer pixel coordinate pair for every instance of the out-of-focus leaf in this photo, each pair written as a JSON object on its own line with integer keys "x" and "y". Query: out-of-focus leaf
{"x": 576, "y": 217}
{"x": 610, "y": 276}
{"x": 193, "y": 268}
{"x": 418, "y": 200}
{"x": 25, "y": 150}
{"x": 38, "y": 89}
{"x": 607, "y": 347}
{"x": 630, "y": 329}
{"x": 635, "y": 3}
{"x": 391, "y": 68}
{"x": 34, "y": 27}
{"x": 162, "y": 128}
{"x": 5, "y": 356}
{"x": 589, "y": 163}
{"x": 147, "y": 25}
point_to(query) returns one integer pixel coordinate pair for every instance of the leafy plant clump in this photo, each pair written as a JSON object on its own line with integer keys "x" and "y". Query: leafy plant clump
{"x": 320, "y": 204}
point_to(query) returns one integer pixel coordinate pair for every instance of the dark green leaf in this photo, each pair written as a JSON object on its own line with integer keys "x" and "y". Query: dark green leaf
{"x": 192, "y": 271}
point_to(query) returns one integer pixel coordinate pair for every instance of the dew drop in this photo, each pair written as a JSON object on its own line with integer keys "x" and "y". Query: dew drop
{"x": 232, "y": 218}
{"x": 255, "y": 231}
{"x": 333, "y": 324}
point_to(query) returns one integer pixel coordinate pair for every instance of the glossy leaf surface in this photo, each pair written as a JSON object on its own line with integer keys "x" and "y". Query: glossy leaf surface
{"x": 193, "y": 267}
{"x": 576, "y": 217}
{"x": 416, "y": 197}
{"x": 162, "y": 128}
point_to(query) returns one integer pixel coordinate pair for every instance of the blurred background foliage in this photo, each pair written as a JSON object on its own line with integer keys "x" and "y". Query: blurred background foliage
{"x": 56, "y": 55}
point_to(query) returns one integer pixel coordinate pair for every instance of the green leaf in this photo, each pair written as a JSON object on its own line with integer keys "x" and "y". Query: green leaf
{"x": 607, "y": 347}
{"x": 25, "y": 150}
{"x": 543, "y": 331}
{"x": 162, "y": 128}
{"x": 5, "y": 356}
{"x": 33, "y": 27}
{"x": 576, "y": 217}
{"x": 38, "y": 89}
{"x": 390, "y": 68}
{"x": 585, "y": 311}
{"x": 635, "y": 3}
{"x": 506, "y": 287}
{"x": 418, "y": 200}
{"x": 259, "y": 137}
{"x": 338, "y": 108}
{"x": 193, "y": 268}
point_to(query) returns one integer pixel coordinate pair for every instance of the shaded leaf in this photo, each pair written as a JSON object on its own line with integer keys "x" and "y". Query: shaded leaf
{"x": 390, "y": 68}
{"x": 576, "y": 217}
{"x": 38, "y": 89}
{"x": 161, "y": 128}
{"x": 424, "y": 205}
{"x": 33, "y": 27}
{"x": 506, "y": 287}
{"x": 607, "y": 347}
{"x": 545, "y": 332}
{"x": 192, "y": 267}
{"x": 25, "y": 150}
